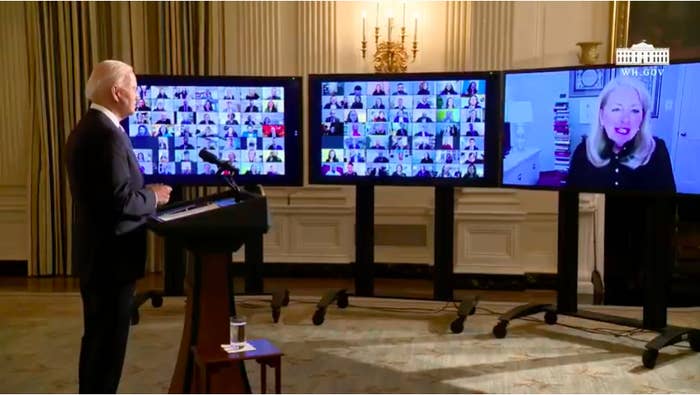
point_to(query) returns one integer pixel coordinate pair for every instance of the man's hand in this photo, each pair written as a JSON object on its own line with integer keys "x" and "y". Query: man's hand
{"x": 162, "y": 192}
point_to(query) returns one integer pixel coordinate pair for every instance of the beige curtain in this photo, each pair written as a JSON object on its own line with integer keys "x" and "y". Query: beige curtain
{"x": 62, "y": 45}
{"x": 65, "y": 39}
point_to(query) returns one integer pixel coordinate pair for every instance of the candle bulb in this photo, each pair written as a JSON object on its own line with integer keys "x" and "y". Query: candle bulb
{"x": 390, "y": 17}
{"x": 377, "y": 24}
{"x": 364, "y": 26}
{"x": 389, "y": 30}
{"x": 415, "y": 28}
{"x": 403, "y": 22}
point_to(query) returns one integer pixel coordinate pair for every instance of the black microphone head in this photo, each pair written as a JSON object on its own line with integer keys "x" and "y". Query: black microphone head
{"x": 211, "y": 158}
{"x": 208, "y": 156}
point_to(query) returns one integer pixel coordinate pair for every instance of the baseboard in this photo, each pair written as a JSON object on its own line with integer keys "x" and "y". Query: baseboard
{"x": 511, "y": 282}
{"x": 405, "y": 271}
{"x": 13, "y": 268}
{"x": 541, "y": 280}
{"x": 506, "y": 281}
{"x": 381, "y": 270}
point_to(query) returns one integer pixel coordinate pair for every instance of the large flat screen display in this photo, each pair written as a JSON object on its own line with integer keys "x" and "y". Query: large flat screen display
{"x": 604, "y": 129}
{"x": 408, "y": 129}
{"x": 251, "y": 122}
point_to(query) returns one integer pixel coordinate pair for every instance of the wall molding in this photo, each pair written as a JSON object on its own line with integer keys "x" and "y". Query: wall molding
{"x": 13, "y": 268}
{"x": 13, "y": 198}
{"x": 404, "y": 270}
{"x": 14, "y": 223}
{"x": 468, "y": 197}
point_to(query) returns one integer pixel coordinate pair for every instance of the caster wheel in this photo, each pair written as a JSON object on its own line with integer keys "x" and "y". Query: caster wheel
{"x": 157, "y": 301}
{"x": 550, "y": 318}
{"x": 342, "y": 300}
{"x": 275, "y": 315}
{"x": 135, "y": 317}
{"x": 457, "y": 326}
{"x": 285, "y": 301}
{"x": 499, "y": 331}
{"x": 472, "y": 311}
{"x": 319, "y": 316}
{"x": 649, "y": 358}
{"x": 694, "y": 340}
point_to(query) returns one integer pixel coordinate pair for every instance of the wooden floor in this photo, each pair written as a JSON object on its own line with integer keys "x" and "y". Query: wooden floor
{"x": 402, "y": 288}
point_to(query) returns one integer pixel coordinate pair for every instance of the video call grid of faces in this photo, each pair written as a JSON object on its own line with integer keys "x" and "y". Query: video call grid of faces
{"x": 242, "y": 125}
{"x": 433, "y": 128}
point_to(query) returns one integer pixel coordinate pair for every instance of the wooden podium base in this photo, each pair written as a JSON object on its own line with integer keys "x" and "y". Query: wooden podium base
{"x": 210, "y": 303}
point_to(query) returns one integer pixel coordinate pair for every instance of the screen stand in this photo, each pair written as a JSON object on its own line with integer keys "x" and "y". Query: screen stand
{"x": 174, "y": 262}
{"x": 659, "y": 253}
{"x": 173, "y": 272}
{"x": 443, "y": 243}
{"x": 254, "y": 254}
{"x": 443, "y": 256}
{"x": 364, "y": 240}
{"x": 363, "y": 267}
{"x": 254, "y": 258}
{"x": 253, "y": 264}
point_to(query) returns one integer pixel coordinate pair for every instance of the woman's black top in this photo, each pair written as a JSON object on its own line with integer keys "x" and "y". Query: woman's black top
{"x": 655, "y": 176}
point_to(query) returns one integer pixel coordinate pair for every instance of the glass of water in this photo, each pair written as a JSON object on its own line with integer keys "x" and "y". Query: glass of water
{"x": 237, "y": 331}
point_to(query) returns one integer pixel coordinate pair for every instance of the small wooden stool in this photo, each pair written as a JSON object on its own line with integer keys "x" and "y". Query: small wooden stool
{"x": 265, "y": 353}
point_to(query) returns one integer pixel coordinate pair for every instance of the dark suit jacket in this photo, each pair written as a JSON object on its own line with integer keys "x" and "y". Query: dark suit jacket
{"x": 110, "y": 202}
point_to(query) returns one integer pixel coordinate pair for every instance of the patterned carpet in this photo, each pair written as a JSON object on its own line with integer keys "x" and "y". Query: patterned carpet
{"x": 373, "y": 346}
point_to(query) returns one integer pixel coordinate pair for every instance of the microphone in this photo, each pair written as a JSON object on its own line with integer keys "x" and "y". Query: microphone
{"x": 221, "y": 164}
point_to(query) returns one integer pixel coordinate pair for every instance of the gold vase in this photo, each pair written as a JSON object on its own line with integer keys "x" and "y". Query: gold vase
{"x": 589, "y": 52}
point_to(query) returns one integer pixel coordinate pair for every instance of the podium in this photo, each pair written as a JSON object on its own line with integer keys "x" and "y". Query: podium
{"x": 212, "y": 228}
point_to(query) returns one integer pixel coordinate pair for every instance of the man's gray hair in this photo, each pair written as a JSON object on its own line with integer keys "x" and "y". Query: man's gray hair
{"x": 105, "y": 75}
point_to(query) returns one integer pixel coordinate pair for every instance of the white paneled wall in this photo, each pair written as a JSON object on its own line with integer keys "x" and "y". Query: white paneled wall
{"x": 492, "y": 37}
{"x": 545, "y": 33}
{"x": 458, "y": 37}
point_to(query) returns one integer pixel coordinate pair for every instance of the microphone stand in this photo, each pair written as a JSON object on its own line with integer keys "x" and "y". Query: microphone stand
{"x": 230, "y": 182}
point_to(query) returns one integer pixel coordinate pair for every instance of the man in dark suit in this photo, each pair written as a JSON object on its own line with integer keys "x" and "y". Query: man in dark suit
{"x": 424, "y": 118}
{"x": 356, "y": 157}
{"x": 400, "y": 89}
{"x": 273, "y": 145}
{"x": 251, "y": 107}
{"x": 185, "y": 107}
{"x": 332, "y": 118}
{"x": 110, "y": 207}
{"x": 273, "y": 95}
{"x": 185, "y": 143}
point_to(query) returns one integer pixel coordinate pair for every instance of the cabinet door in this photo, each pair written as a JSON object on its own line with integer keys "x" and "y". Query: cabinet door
{"x": 686, "y": 164}
{"x": 526, "y": 171}
{"x": 533, "y": 173}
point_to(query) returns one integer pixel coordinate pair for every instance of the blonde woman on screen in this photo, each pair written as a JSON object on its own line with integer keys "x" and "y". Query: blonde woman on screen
{"x": 621, "y": 153}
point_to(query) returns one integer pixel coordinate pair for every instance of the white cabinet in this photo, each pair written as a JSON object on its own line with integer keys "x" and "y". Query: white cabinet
{"x": 521, "y": 167}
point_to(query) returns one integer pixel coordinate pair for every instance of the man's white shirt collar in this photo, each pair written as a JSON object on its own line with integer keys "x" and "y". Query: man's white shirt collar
{"x": 108, "y": 113}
